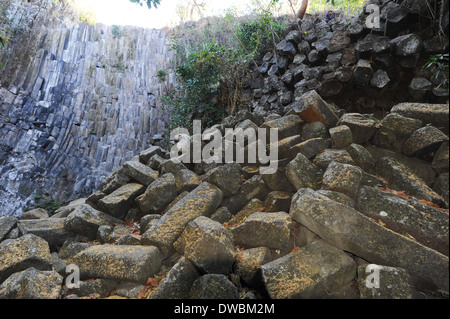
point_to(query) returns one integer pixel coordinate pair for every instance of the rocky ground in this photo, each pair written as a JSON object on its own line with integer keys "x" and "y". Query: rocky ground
{"x": 352, "y": 189}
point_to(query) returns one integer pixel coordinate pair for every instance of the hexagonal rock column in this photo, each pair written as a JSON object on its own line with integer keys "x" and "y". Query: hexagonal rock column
{"x": 32, "y": 284}
{"x": 270, "y": 230}
{"x": 310, "y": 272}
{"x": 351, "y": 231}
{"x": 202, "y": 201}
{"x": 312, "y": 108}
{"x": 208, "y": 245}
{"x": 22, "y": 253}
{"x": 122, "y": 263}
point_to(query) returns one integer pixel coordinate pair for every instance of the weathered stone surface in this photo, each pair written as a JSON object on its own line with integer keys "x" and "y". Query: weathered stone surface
{"x": 51, "y": 229}
{"x": 86, "y": 220}
{"x": 361, "y": 156}
{"x": 186, "y": 181}
{"x": 140, "y": 173}
{"x": 226, "y": 177}
{"x": 440, "y": 162}
{"x": 146, "y": 155}
{"x": 406, "y": 45}
{"x": 309, "y": 272}
{"x": 394, "y": 283}
{"x": 420, "y": 167}
{"x": 361, "y": 125}
{"x": 324, "y": 158}
{"x": 208, "y": 245}
{"x": 248, "y": 265}
{"x": 119, "y": 202}
{"x": 312, "y": 108}
{"x": 363, "y": 73}
{"x": 278, "y": 181}
{"x": 343, "y": 178}
{"x": 7, "y": 223}
{"x": 338, "y": 197}
{"x": 170, "y": 166}
{"x": 65, "y": 211}
{"x": 441, "y": 186}
{"x": 302, "y": 173}
{"x": 158, "y": 195}
{"x": 253, "y": 188}
{"x": 341, "y": 137}
{"x": 129, "y": 289}
{"x": 22, "y": 253}
{"x": 418, "y": 87}
{"x": 178, "y": 282}
{"x": 278, "y": 201}
{"x": 314, "y": 130}
{"x": 147, "y": 221}
{"x": 115, "y": 180}
{"x": 427, "y": 225}
{"x": 270, "y": 230}
{"x": 104, "y": 234}
{"x": 310, "y": 148}
{"x": 289, "y": 125}
{"x": 70, "y": 249}
{"x": 98, "y": 287}
{"x": 380, "y": 79}
{"x": 129, "y": 240}
{"x": 221, "y": 215}
{"x": 400, "y": 177}
{"x": 284, "y": 146}
{"x": 213, "y": 287}
{"x": 32, "y": 284}
{"x": 202, "y": 201}
{"x": 351, "y": 231}
{"x": 37, "y": 213}
{"x": 424, "y": 141}
{"x": 122, "y": 263}
{"x": 434, "y": 114}
{"x": 253, "y": 206}
{"x": 396, "y": 129}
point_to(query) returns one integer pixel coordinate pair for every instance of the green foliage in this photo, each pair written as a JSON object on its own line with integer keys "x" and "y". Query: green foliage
{"x": 197, "y": 95}
{"x": 47, "y": 203}
{"x": 349, "y": 7}
{"x": 161, "y": 74}
{"x": 258, "y": 35}
{"x": 149, "y": 3}
{"x": 116, "y": 32}
{"x": 438, "y": 63}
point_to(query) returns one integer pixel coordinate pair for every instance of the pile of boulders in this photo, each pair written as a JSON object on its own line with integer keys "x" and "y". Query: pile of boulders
{"x": 349, "y": 191}
{"x": 358, "y": 207}
{"x": 360, "y": 69}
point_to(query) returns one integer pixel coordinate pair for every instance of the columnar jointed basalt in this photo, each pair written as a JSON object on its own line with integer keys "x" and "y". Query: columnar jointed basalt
{"x": 75, "y": 101}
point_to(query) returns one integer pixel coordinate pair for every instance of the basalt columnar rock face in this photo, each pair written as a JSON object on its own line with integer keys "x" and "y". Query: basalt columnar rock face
{"x": 351, "y": 200}
{"x": 76, "y": 101}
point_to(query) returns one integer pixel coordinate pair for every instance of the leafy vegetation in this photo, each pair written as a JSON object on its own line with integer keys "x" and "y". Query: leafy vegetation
{"x": 213, "y": 65}
{"x": 149, "y": 3}
{"x": 438, "y": 63}
{"x": 47, "y": 203}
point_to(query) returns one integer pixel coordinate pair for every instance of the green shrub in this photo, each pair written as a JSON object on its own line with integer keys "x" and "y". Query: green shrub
{"x": 258, "y": 35}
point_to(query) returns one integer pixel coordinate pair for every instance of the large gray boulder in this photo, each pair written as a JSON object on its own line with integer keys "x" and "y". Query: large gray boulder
{"x": 202, "y": 201}
{"x": 32, "y": 284}
{"x": 22, "y": 253}
{"x": 208, "y": 245}
{"x": 351, "y": 231}
{"x": 310, "y": 272}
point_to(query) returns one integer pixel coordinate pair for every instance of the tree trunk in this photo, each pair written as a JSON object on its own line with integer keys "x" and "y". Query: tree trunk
{"x": 302, "y": 10}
